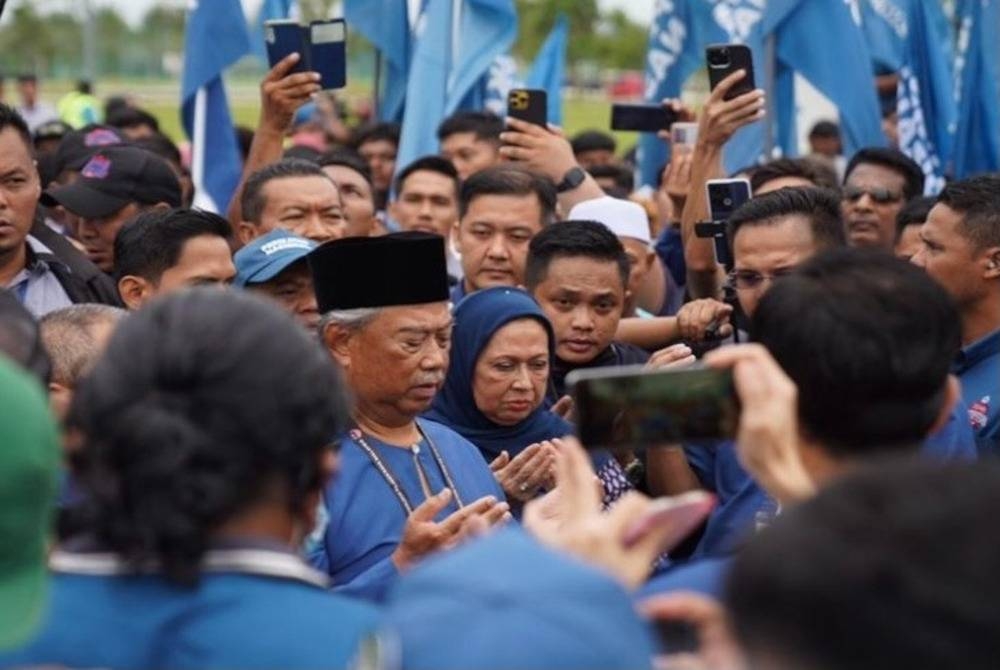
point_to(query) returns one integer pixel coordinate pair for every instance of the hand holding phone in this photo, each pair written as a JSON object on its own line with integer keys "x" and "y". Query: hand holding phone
{"x": 725, "y": 59}
{"x": 320, "y": 45}
{"x": 529, "y": 104}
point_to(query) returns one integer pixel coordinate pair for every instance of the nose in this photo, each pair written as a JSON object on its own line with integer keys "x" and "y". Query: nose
{"x": 497, "y": 248}
{"x": 864, "y": 203}
{"x": 425, "y": 209}
{"x": 582, "y": 319}
{"x": 85, "y": 229}
{"x": 315, "y": 229}
{"x": 919, "y": 259}
{"x": 522, "y": 381}
{"x": 436, "y": 358}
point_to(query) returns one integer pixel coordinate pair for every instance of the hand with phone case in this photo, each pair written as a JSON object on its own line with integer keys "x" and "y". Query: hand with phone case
{"x": 283, "y": 91}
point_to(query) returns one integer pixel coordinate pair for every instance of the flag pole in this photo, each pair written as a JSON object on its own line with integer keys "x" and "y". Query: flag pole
{"x": 770, "y": 65}
{"x": 376, "y": 102}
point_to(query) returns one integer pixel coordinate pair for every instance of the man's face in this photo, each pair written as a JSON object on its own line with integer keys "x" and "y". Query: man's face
{"x": 827, "y": 146}
{"x": 427, "y": 202}
{"x": 761, "y": 252}
{"x": 469, "y": 154}
{"x": 493, "y": 239}
{"x": 28, "y": 90}
{"x": 396, "y": 364}
{"x": 98, "y": 235}
{"x": 588, "y": 159}
{"x": 205, "y": 260}
{"x": 356, "y": 198}
{"x": 583, "y": 298}
{"x": 307, "y": 206}
{"x": 873, "y": 196}
{"x": 381, "y": 158}
{"x": 949, "y": 257}
{"x": 19, "y": 191}
{"x": 293, "y": 290}
{"x": 909, "y": 242}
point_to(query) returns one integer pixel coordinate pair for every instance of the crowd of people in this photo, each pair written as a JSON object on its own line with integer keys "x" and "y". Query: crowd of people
{"x": 331, "y": 427}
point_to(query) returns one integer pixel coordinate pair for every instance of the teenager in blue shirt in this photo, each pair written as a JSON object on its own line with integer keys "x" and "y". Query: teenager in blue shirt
{"x": 960, "y": 248}
{"x": 205, "y": 452}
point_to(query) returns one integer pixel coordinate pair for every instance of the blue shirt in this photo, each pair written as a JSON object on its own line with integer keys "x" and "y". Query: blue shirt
{"x": 669, "y": 249}
{"x": 458, "y": 292}
{"x": 705, "y": 576}
{"x": 366, "y": 519}
{"x": 255, "y": 609}
{"x": 978, "y": 368}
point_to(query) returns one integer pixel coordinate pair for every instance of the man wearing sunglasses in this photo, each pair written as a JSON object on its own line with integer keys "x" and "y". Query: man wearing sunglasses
{"x": 877, "y": 183}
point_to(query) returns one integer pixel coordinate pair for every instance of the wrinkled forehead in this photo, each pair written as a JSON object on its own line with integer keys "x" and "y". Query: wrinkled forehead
{"x": 428, "y": 317}
{"x": 300, "y": 190}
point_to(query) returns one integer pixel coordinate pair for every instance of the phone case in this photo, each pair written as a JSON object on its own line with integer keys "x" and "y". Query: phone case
{"x": 283, "y": 38}
{"x": 735, "y": 57}
{"x": 528, "y": 104}
{"x": 322, "y": 45}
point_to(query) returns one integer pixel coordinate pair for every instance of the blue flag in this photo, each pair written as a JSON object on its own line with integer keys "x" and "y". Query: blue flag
{"x": 270, "y": 10}
{"x": 547, "y": 72}
{"x": 486, "y": 29}
{"x": 925, "y": 102}
{"x": 977, "y": 75}
{"x": 386, "y": 24}
{"x": 885, "y": 25}
{"x": 215, "y": 37}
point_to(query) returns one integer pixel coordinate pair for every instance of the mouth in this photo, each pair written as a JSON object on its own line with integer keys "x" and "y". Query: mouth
{"x": 518, "y": 405}
{"x": 426, "y": 391}
{"x": 579, "y": 346}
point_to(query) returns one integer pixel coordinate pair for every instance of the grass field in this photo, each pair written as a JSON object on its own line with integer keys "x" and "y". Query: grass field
{"x": 162, "y": 99}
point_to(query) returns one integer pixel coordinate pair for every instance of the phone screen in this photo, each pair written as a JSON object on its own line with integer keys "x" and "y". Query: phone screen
{"x": 634, "y": 407}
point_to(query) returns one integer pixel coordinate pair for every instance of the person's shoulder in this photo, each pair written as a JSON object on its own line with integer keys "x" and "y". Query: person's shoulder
{"x": 630, "y": 354}
{"x": 444, "y": 436}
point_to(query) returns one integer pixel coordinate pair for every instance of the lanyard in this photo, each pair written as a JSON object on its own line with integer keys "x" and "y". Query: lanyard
{"x": 391, "y": 480}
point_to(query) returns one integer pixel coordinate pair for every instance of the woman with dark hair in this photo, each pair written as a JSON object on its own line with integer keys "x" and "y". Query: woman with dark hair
{"x": 206, "y": 443}
{"x": 494, "y": 393}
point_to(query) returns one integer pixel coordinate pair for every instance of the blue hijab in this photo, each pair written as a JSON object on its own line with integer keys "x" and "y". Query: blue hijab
{"x": 477, "y": 318}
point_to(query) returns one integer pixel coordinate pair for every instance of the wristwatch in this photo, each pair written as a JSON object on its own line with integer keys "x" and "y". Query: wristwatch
{"x": 573, "y": 178}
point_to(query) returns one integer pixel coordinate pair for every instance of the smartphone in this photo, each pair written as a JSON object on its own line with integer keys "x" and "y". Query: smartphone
{"x": 321, "y": 46}
{"x": 725, "y": 196}
{"x": 681, "y": 514}
{"x": 529, "y": 104}
{"x": 684, "y": 134}
{"x": 644, "y": 118}
{"x": 676, "y": 637}
{"x": 723, "y": 60}
{"x": 630, "y": 406}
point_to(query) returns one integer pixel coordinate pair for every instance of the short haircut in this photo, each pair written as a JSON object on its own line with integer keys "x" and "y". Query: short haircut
{"x": 825, "y": 129}
{"x": 900, "y": 559}
{"x": 509, "y": 180}
{"x": 485, "y": 125}
{"x": 869, "y": 340}
{"x": 348, "y": 159}
{"x": 10, "y": 118}
{"x": 162, "y": 146}
{"x": 388, "y": 132}
{"x": 977, "y": 199}
{"x": 819, "y": 205}
{"x": 895, "y": 160}
{"x": 813, "y": 171}
{"x": 302, "y": 152}
{"x": 27, "y": 77}
{"x": 253, "y": 202}
{"x": 437, "y": 164}
{"x": 624, "y": 179}
{"x": 130, "y": 117}
{"x": 573, "y": 239}
{"x": 67, "y": 336}
{"x": 914, "y": 212}
{"x": 152, "y": 242}
{"x": 593, "y": 140}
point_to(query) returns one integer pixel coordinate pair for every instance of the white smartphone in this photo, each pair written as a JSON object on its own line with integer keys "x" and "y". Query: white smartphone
{"x": 681, "y": 514}
{"x": 684, "y": 135}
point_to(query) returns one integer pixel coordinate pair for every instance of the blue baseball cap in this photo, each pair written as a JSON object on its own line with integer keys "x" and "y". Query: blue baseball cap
{"x": 268, "y": 256}
{"x": 505, "y": 601}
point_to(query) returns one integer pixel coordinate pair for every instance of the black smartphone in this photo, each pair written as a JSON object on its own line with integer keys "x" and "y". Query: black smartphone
{"x": 529, "y": 104}
{"x": 723, "y": 60}
{"x": 631, "y": 406}
{"x": 725, "y": 196}
{"x": 643, "y": 118}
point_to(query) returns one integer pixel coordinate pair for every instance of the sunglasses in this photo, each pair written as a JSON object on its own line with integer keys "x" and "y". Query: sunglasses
{"x": 747, "y": 280}
{"x": 881, "y": 196}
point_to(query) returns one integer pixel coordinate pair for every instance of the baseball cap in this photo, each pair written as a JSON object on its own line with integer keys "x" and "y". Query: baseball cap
{"x": 77, "y": 146}
{"x": 51, "y": 130}
{"x": 521, "y": 605}
{"x": 114, "y": 177}
{"x": 29, "y": 464}
{"x": 622, "y": 217}
{"x": 268, "y": 256}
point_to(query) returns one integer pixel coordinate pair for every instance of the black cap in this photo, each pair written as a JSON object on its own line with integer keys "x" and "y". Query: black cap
{"x": 399, "y": 269}
{"x": 52, "y": 130}
{"x": 78, "y": 146}
{"x": 114, "y": 177}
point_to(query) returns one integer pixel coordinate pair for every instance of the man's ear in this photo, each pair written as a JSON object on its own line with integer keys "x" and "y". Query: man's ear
{"x": 648, "y": 261}
{"x": 992, "y": 263}
{"x": 952, "y": 392}
{"x": 161, "y": 205}
{"x": 135, "y": 291}
{"x": 246, "y": 232}
{"x": 337, "y": 340}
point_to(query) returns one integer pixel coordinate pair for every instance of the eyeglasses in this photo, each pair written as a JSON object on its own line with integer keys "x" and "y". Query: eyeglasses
{"x": 747, "y": 280}
{"x": 881, "y": 196}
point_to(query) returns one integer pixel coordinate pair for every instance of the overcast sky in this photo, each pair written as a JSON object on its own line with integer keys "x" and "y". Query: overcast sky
{"x": 133, "y": 10}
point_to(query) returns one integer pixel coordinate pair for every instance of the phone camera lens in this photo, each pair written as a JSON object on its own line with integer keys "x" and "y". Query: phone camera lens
{"x": 728, "y": 202}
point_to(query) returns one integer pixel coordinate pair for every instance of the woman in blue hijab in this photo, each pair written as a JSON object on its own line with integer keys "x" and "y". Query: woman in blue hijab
{"x": 494, "y": 394}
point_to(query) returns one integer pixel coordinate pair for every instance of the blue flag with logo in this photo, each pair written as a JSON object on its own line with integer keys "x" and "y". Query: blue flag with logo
{"x": 486, "y": 29}
{"x": 885, "y": 26}
{"x": 386, "y": 24}
{"x": 270, "y": 10}
{"x": 925, "y": 102}
{"x": 547, "y": 72}
{"x": 977, "y": 75}
{"x": 215, "y": 37}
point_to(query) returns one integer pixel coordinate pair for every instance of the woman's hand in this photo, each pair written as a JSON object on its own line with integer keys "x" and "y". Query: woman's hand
{"x": 523, "y": 476}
